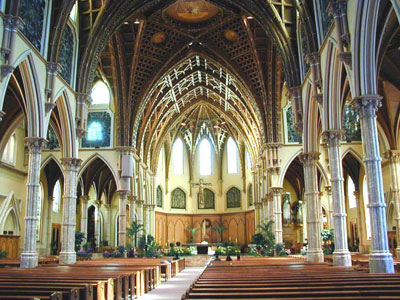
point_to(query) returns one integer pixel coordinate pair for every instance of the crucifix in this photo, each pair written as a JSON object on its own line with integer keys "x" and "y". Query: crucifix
{"x": 201, "y": 184}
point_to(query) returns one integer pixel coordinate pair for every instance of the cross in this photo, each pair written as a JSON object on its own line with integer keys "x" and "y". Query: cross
{"x": 201, "y": 184}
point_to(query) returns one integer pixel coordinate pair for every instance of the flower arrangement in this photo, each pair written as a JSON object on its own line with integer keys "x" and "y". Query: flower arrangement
{"x": 228, "y": 250}
{"x": 84, "y": 254}
{"x": 3, "y": 254}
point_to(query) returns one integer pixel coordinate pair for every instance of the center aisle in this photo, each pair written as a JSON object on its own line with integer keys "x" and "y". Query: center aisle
{"x": 174, "y": 288}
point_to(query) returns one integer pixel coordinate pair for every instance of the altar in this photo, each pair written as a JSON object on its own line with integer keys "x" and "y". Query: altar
{"x": 202, "y": 248}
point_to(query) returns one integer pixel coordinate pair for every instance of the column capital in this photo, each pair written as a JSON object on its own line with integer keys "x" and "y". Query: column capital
{"x": 334, "y": 8}
{"x": 83, "y": 98}
{"x": 35, "y": 144}
{"x": 84, "y": 198}
{"x": 12, "y": 22}
{"x": 367, "y": 105}
{"x": 328, "y": 189}
{"x": 71, "y": 163}
{"x": 276, "y": 190}
{"x": 309, "y": 157}
{"x": 392, "y": 155}
{"x": 257, "y": 205}
{"x": 313, "y": 58}
{"x": 52, "y": 67}
{"x": 333, "y": 137}
{"x": 123, "y": 193}
{"x": 126, "y": 150}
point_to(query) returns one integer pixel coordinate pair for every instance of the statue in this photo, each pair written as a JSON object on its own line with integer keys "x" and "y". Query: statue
{"x": 201, "y": 184}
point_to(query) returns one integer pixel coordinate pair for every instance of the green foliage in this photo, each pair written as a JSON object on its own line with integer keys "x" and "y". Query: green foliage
{"x": 230, "y": 250}
{"x": 79, "y": 238}
{"x": 153, "y": 250}
{"x": 134, "y": 230}
{"x": 145, "y": 242}
{"x": 181, "y": 251}
{"x": 327, "y": 235}
{"x": 219, "y": 229}
{"x": 192, "y": 233}
{"x": 3, "y": 254}
{"x": 258, "y": 239}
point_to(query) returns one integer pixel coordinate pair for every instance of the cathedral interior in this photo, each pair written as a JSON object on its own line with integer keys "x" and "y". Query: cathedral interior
{"x": 186, "y": 115}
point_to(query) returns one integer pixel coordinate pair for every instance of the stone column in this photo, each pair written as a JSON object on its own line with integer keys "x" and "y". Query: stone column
{"x": 394, "y": 158}
{"x": 107, "y": 222}
{"x": 257, "y": 220}
{"x": 270, "y": 207}
{"x": 152, "y": 219}
{"x": 360, "y": 225}
{"x": 380, "y": 259}
{"x": 123, "y": 196}
{"x": 132, "y": 211}
{"x": 265, "y": 210}
{"x": 277, "y": 210}
{"x": 305, "y": 227}
{"x": 146, "y": 208}
{"x": 71, "y": 166}
{"x": 29, "y": 256}
{"x": 84, "y": 214}
{"x": 341, "y": 255}
{"x": 328, "y": 191}
{"x": 140, "y": 215}
{"x": 49, "y": 210}
{"x": 314, "y": 253}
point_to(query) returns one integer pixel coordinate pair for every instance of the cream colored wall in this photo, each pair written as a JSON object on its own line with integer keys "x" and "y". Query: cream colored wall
{"x": 219, "y": 188}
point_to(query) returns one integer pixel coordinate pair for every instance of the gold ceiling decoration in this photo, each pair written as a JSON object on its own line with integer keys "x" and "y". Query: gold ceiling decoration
{"x": 231, "y": 35}
{"x": 192, "y": 11}
{"x": 159, "y": 38}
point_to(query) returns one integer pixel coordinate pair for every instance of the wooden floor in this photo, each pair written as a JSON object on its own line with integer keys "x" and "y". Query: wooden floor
{"x": 289, "y": 278}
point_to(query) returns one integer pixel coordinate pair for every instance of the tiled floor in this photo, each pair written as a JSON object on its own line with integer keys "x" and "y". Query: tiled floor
{"x": 174, "y": 288}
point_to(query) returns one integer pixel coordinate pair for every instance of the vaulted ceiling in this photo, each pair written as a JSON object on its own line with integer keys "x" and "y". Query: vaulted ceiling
{"x": 162, "y": 63}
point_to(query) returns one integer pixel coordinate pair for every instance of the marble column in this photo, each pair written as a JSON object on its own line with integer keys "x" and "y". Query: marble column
{"x": 394, "y": 159}
{"x": 265, "y": 210}
{"x": 360, "y": 225}
{"x": 277, "y": 207}
{"x": 71, "y": 166}
{"x": 305, "y": 227}
{"x": 152, "y": 219}
{"x": 84, "y": 214}
{"x": 140, "y": 215}
{"x": 29, "y": 256}
{"x": 380, "y": 259}
{"x": 132, "y": 211}
{"x": 314, "y": 253}
{"x": 123, "y": 196}
{"x": 270, "y": 207}
{"x": 341, "y": 255}
{"x": 49, "y": 224}
{"x": 147, "y": 218}
{"x": 257, "y": 220}
{"x": 328, "y": 190}
{"x": 107, "y": 222}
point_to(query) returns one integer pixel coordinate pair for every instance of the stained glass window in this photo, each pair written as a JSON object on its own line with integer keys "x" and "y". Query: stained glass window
{"x": 9, "y": 150}
{"x": 205, "y": 161}
{"x": 232, "y": 156}
{"x": 98, "y": 130}
{"x": 366, "y": 208}
{"x": 305, "y": 48}
{"x": 52, "y": 139}
{"x": 56, "y": 197}
{"x": 100, "y": 93}
{"x": 292, "y": 135}
{"x": 32, "y": 14}
{"x": 326, "y": 18}
{"x": 233, "y": 198}
{"x": 350, "y": 193}
{"x": 159, "y": 196}
{"x": 67, "y": 54}
{"x": 177, "y": 157}
{"x": 351, "y": 124}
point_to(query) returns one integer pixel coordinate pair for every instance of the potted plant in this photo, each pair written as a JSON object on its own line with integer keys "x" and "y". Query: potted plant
{"x": 219, "y": 229}
{"x": 134, "y": 230}
{"x": 192, "y": 231}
